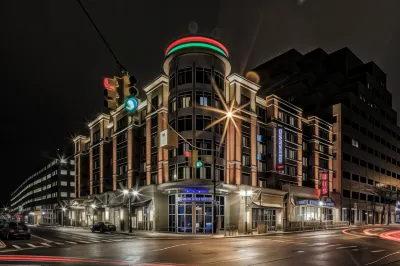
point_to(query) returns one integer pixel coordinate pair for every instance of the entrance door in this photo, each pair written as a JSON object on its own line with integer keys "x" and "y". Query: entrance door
{"x": 270, "y": 219}
{"x": 203, "y": 218}
{"x": 200, "y": 217}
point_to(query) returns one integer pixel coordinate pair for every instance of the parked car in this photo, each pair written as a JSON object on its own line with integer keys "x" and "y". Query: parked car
{"x": 103, "y": 227}
{"x": 11, "y": 230}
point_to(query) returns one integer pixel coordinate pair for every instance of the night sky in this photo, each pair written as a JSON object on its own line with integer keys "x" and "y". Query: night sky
{"x": 53, "y": 61}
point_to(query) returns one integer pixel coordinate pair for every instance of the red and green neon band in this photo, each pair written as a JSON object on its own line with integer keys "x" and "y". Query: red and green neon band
{"x": 197, "y": 41}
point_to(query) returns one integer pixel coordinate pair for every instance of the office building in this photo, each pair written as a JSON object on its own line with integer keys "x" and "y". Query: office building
{"x": 42, "y": 196}
{"x": 353, "y": 96}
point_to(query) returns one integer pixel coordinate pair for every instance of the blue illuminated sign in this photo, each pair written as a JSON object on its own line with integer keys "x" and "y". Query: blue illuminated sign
{"x": 196, "y": 199}
{"x": 315, "y": 203}
{"x": 279, "y": 148}
{"x": 302, "y": 202}
{"x": 195, "y": 191}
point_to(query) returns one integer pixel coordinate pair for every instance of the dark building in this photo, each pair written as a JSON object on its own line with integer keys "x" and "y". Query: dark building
{"x": 42, "y": 196}
{"x": 351, "y": 95}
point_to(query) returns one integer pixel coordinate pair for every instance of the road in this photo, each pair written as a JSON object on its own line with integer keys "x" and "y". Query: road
{"x": 353, "y": 247}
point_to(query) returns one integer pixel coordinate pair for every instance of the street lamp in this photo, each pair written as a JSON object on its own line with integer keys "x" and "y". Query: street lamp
{"x": 245, "y": 194}
{"x": 62, "y": 215}
{"x": 134, "y": 193}
{"x": 93, "y": 207}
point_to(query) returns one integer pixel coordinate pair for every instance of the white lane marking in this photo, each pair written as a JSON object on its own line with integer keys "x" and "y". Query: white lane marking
{"x": 376, "y": 251}
{"x": 85, "y": 242}
{"x": 44, "y": 239}
{"x": 300, "y": 251}
{"x": 107, "y": 241}
{"x": 16, "y": 246}
{"x": 334, "y": 245}
{"x": 70, "y": 242}
{"x": 176, "y": 246}
{"x": 118, "y": 240}
{"x": 32, "y": 245}
{"x": 318, "y": 244}
{"x": 353, "y": 259}
{"x": 302, "y": 243}
{"x": 93, "y": 241}
{"x": 346, "y": 247}
{"x": 282, "y": 241}
{"x": 45, "y": 244}
{"x": 132, "y": 259}
{"x": 394, "y": 253}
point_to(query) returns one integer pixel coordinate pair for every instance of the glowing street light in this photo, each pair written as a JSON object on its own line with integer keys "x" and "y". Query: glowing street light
{"x": 126, "y": 191}
{"x": 64, "y": 209}
{"x": 93, "y": 206}
{"x": 135, "y": 193}
{"x": 229, "y": 114}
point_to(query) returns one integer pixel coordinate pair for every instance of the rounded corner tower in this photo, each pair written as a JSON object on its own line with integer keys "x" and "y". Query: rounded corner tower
{"x": 198, "y": 49}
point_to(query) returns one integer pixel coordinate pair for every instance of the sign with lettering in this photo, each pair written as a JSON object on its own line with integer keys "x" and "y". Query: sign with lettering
{"x": 195, "y": 191}
{"x": 195, "y": 199}
{"x": 315, "y": 203}
{"x": 280, "y": 149}
{"x": 324, "y": 184}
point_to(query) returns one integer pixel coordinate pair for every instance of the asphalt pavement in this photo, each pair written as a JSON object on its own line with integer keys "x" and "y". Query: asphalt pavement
{"x": 353, "y": 247}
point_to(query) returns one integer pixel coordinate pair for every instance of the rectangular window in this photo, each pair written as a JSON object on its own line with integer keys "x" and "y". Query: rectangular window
{"x": 64, "y": 183}
{"x": 64, "y": 194}
{"x": 354, "y": 143}
{"x": 245, "y": 160}
{"x": 185, "y": 76}
{"x": 291, "y": 154}
{"x": 290, "y": 170}
{"x": 72, "y": 195}
{"x": 203, "y": 98}
{"x": 184, "y": 99}
{"x": 64, "y": 172}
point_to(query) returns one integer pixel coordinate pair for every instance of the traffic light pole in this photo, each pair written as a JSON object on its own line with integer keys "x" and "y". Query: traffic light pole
{"x": 215, "y": 197}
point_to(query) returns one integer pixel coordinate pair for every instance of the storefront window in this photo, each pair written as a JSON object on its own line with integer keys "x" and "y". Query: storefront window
{"x": 193, "y": 213}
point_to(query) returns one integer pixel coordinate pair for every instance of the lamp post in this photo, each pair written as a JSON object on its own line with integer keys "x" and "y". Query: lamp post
{"x": 93, "y": 207}
{"x": 128, "y": 193}
{"x": 62, "y": 215}
{"x": 245, "y": 193}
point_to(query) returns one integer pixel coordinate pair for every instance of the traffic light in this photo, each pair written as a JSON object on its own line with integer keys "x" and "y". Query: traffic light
{"x": 129, "y": 86}
{"x": 110, "y": 93}
{"x": 131, "y": 104}
{"x": 199, "y": 164}
{"x": 130, "y": 94}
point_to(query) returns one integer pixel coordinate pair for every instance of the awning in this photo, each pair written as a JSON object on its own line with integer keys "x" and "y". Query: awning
{"x": 266, "y": 206}
{"x": 141, "y": 203}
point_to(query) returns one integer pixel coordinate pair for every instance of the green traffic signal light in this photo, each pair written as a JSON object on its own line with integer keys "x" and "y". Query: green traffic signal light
{"x": 199, "y": 164}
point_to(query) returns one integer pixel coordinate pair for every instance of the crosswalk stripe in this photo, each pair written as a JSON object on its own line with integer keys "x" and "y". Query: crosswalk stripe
{"x": 16, "y": 246}
{"x": 32, "y": 245}
{"x": 107, "y": 241}
{"x": 302, "y": 243}
{"x": 85, "y": 242}
{"x": 375, "y": 251}
{"x": 334, "y": 245}
{"x": 70, "y": 242}
{"x": 346, "y": 247}
{"x": 45, "y": 244}
{"x": 58, "y": 243}
{"x": 118, "y": 240}
{"x": 317, "y": 244}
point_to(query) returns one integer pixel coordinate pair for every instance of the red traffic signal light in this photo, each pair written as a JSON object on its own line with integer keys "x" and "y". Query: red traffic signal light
{"x": 187, "y": 153}
{"x": 110, "y": 84}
